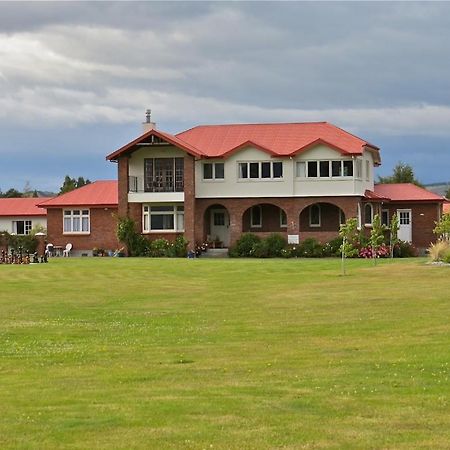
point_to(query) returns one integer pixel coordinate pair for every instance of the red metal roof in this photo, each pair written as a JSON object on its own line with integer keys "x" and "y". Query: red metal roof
{"x": 403, "y": 192}
{"x": 370, "y": 195}
{"x": 96, "y": 194}
{"x": 21, "y": 207}
{"x": 282, "y": 139}
{"x": 278, "y": 139}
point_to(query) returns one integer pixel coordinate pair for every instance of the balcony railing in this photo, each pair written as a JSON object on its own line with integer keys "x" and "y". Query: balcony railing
{"x": 136, "y": 184}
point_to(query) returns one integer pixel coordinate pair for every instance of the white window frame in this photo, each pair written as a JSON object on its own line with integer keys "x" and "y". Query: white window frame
{"x": 213, "y": 171}
{"x": 178, "y": 218}
{"x": 259, "y": 177}
{"x": 306, "y": 162}
{"x": 368, "y": 224}
{"x": 252, "y": 223}
{"x": 82, "y": 213}
{"x": 315, "y": 225}
{"x": 283, "y": 215}
{"x": 27, "y": 227}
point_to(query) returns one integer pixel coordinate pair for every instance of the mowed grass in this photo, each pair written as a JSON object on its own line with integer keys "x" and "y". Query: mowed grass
{"x": 227, "y": 354}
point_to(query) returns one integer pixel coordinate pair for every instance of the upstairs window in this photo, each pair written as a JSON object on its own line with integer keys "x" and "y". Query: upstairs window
{"x": 76, "y": 221}
{"x": 213, "y": 171}
{"x": 324, "y": 169}
{"x": 260, "y": 170}
{"x": 164, "y": 174}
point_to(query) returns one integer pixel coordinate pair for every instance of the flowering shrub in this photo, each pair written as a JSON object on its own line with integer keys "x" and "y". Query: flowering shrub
{"x": 383, "y": 251}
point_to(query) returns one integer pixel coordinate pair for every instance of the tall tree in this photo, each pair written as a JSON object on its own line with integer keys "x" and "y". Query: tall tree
{"x": 70, "y": 184}
{"x": 403, "y": 173}
{"x": 12, "y": 193}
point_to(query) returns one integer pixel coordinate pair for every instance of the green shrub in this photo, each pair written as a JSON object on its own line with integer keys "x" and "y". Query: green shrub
{"x": 446, "y": 257}
{"x": 404, "y": 249}
{"x": 260, "y": 249}
{"x": 180, "y": 247}
{"x": 160, "y": 248}
{"x": 310, "y": 248}
{"x": 27, "y": 243}
{"x": 137, "y": 244}
{"x": 275, "y": 243}
{"x": 244, "y": 246}
{"x": 332, "y": 248}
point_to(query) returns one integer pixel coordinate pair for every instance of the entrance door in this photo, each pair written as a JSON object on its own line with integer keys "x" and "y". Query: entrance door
{"x": 220, "y": 226}
{"x": 405, "y": 225}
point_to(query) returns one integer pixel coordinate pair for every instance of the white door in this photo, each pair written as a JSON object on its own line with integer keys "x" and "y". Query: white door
{"x": 220, "y": 226}
{"x": 405, "y": 225}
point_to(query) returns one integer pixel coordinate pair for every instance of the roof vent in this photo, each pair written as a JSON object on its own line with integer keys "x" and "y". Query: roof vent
{"x": 148, "y": 125}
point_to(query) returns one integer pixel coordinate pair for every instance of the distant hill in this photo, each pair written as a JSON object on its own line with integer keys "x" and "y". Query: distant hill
{"x": 438, "y": 188}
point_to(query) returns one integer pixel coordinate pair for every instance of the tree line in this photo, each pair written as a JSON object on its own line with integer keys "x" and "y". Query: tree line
{"x": 69, "y": 184}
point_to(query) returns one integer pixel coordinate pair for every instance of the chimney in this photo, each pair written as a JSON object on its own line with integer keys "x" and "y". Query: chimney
{"x": 148, "y": 124}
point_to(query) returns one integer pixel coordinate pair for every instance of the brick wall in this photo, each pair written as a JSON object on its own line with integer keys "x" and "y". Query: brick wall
{"x": 237, "y": 210}
{"x": 424, "y": 216}
{"x": 102, "y": 235}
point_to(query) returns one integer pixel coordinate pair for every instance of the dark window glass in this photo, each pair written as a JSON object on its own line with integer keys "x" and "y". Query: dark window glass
{"x": 148, "y": 175}
{"x": 219, "y": 171}
{"x": 179, "y": 174}
{"x": 348, "y": 168}
{"x": 278, "y": 170}
{"x": 312, "y": 168}
{"x": 324, "y": 168}
{"x": 20, "y": 227}
{"x": 162, "y": 208}
{"x": 219, "y": 219}
{"x": 314, "y": 215}
{"x": 368, "y": 214}
{"x": 254, "y": 170}
{"x": 336, "y": 168}
{"x": 207, "y": 171}
{"x": 265, "y": 170}
{"x": 243, "y": 170}
{"x": 256, "y": 216}
{"x": 162, "y": 222}
{"x": 385, "y": 217}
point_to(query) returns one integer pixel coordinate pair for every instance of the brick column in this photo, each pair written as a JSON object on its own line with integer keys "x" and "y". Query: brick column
{"x": 235, "y": 224}
{"x": 123, "y": 186}
{"x": 3, "y": 243}
{"x": 41, "y": 238}
{"x": 189, "y": 200}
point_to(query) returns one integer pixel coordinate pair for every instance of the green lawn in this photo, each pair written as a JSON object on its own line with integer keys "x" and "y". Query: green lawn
{"x": 123, "y": 353}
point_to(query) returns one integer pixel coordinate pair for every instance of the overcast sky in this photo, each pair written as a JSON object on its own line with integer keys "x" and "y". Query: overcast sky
{"x": 76, "y": 78}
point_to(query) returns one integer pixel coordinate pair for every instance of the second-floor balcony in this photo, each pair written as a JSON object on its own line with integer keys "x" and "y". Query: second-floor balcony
{"x": 140, "y": 184}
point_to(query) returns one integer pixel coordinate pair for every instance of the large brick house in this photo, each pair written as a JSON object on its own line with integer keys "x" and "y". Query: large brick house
{"x": 213, "y": 183}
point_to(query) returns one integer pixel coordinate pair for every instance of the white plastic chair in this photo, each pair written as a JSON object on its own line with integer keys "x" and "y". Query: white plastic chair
{"x": 49, "y": 249}
{"x": 66, "y": 252}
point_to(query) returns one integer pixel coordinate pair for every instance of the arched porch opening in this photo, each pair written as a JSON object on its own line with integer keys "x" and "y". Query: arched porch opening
{"x": 216, "y": 226}
{"x": 264, "y": 218}
{"x": 321, "y": 221}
